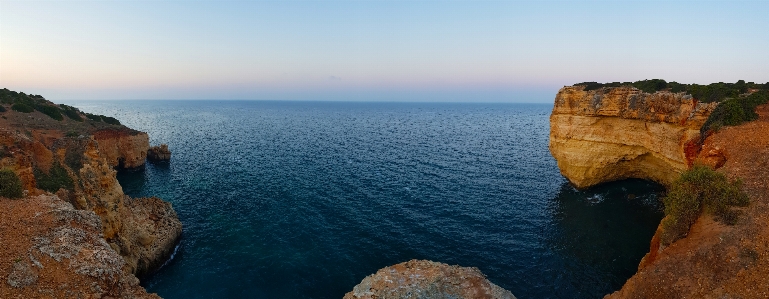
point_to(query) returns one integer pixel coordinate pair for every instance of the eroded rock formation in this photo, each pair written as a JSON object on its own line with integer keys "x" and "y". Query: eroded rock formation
{"x": 617, "y": 133}
{"x": 427, "y": 280}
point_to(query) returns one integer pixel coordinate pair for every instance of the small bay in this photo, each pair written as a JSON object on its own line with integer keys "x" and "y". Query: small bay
{"x": 305, "y": 199}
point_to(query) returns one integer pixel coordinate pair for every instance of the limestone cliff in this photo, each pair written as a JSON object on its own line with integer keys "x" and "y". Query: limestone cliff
{"x": 76, "y": 158}
{"x": 426, "y": 279}
{"x": 717, "y": 260}
{"x": 616, "y": 133}
{"x": 123, "y": 147}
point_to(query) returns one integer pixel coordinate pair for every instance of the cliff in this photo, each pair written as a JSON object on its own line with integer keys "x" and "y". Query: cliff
{"x": 717, "y": 260}
{"x": 123, "y": 148}
{"x": 75, "y": 158}
{"x": 613, "y": 133}
{"x": 616, "y": 133}
{"x": 426, "y": 279}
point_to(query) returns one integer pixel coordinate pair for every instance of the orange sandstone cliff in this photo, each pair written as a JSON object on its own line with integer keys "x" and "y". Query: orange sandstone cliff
{"x": 68, "y": 165}
{"x": 616, "y": 133}
{"x": 717, "y": 260}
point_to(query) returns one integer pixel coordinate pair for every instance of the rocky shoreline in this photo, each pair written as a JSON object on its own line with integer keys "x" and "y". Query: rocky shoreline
{"x": 67, "y": 165}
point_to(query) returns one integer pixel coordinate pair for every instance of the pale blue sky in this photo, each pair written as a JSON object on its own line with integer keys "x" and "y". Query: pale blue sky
{"x": 477, "y": 51}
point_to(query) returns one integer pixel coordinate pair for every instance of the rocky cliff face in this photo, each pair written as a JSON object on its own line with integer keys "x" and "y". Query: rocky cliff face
{"x": 617, "y": 133}
{"x": 123, "y": 148}
{"x": 426, "y": 279}
{"x": 717, "y": 260}
{"x": 76, "y": 160}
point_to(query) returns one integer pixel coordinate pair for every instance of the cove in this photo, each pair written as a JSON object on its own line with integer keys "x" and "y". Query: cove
{"x": 304, "y": 199}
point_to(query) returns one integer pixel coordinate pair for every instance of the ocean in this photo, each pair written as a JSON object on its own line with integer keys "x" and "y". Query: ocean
{"x": 304, "y": 199}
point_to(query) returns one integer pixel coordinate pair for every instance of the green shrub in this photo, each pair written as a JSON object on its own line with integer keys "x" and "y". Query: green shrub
{"x": 10, "y": 184}
{"x": 651, "y": 86}
{"x": 71, "y": 112}
{"x": 56, "y": 178}
{"x": 110, "y": 120}
{"x": 21, "y": 107}
{"x": 696, "y": 190}
{"x": 734, "y": 111}
{"x": 51, "y": 111}
{"x": 93, "y": 117}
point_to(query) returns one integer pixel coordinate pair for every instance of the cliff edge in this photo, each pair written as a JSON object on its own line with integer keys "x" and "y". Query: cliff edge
{"x": 616, "y": 133}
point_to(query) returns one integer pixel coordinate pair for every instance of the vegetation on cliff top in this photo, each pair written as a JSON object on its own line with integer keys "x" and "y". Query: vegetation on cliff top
{"x": 714, "y": 92}
{"x": 696, "y": 190}
{"x": 25, "y": 103}
{"x": 10, "y": 184}
{"x": 737, "y": 101}
{"x": 734, "y": 111}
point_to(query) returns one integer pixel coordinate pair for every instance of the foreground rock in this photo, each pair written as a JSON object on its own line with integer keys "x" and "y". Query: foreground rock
{"x": 616, "y": 133}
{"x": 51, "y": 250}
{"x": 422, "y": 279}
{"x": 715, "y": 260}
{"x": 159, "y": 153}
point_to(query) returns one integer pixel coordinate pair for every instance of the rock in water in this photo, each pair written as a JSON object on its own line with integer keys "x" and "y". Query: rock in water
{"x": 159, "y": 153}
{"x": 423, "y": 279}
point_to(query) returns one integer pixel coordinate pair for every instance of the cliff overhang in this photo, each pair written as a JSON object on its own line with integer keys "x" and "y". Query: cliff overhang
{"x": 616, "y": 133}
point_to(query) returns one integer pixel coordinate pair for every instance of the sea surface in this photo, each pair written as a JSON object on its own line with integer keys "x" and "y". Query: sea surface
{"x": 305, "y": 199}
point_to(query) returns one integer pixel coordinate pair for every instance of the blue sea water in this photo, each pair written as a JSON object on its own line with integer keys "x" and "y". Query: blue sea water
{"x": 305, "y": 199}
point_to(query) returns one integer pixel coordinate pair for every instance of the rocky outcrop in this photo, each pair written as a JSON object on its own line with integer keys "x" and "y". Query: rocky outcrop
{"x": 123, "y": 148}
{"x": 427, "y": 280}
{"x": 51, "y": 250}
{"x": 80, "y": 169}
{"x": 159, "y": 153}
{"x": 153, "y": 230}
{"x": 616, "y": 133}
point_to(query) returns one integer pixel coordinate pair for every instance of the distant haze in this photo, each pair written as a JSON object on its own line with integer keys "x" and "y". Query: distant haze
{"x": 473, "y": 51}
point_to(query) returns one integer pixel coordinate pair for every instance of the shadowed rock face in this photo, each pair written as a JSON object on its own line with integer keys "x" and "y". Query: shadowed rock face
{"x": 159, "y": 153}
{"x": 123, "y": 148}
{"x": 617, "y": 133}
{"x": 422, "y": 279}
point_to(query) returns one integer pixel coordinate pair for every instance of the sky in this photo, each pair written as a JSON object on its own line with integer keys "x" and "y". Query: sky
{"x": 360, "y": 50}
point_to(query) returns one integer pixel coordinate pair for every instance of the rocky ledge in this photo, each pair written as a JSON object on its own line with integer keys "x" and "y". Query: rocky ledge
{"x": 427, "y": 280}
{"x": 52, "y": 250}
